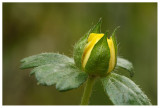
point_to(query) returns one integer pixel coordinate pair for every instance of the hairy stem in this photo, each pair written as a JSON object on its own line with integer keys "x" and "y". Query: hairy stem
{"x": 87, "y": 90}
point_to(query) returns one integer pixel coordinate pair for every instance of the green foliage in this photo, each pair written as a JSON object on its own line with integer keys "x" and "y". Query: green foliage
{"x": 123, "y": 91}
{"x": 43, "y": 59}
{"x": 55, "y": 69}
{"x": 98, "y": 61}
{"x": 125, "y": 64}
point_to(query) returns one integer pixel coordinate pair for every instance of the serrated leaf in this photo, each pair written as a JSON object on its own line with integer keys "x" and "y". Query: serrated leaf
{"x": 125, "y": 64}
{"x": 53, "y": 68}
{"x": 65, "y": 76}
{"x": 122, "y": 91}
{"x": 44, "y": 58}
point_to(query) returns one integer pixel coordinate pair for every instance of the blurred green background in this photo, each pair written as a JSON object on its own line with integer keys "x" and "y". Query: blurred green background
{"x": 33, "y": 28}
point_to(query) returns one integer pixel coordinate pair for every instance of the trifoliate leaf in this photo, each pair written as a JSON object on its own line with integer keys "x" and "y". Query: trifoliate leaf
{"x": 122, "y": 91}
{"x": 125, "y": 64}
{"x": 52, "y": 68}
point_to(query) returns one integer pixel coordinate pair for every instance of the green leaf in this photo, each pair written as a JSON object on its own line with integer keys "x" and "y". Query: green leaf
{"x": 65, "y": 76}
{"x": 98, "y": 61}
{"x": 79, "y": 46}
{"x": 122, "y": 91}
{"x": 125, "y": 64}
{"x": 44, "y": 58}
{"x": 52, "y": 68}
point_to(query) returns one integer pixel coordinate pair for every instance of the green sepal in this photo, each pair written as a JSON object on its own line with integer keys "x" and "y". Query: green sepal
{"x": 115, "y": 43}
{"x": 125, "y": 64}
{"x": 52, "y": 68}
{"x": 123, "y": 91}
{"x": 97, "y": 28}
{"x": 98, "y": 61}
{"x": 79, "y": 46}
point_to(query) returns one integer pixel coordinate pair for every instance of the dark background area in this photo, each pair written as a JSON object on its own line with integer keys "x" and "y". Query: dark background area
{"x": 33, "y": 28}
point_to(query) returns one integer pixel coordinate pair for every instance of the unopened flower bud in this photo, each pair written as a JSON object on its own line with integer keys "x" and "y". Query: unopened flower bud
{"x": 95, "y": 53}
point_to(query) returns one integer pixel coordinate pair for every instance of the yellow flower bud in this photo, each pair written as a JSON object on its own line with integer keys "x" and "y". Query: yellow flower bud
{"x": 92, "y": 40}
{"x": 94, "y": 53}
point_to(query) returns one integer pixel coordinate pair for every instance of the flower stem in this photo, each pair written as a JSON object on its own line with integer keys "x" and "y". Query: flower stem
{"x": 87, "y": 90}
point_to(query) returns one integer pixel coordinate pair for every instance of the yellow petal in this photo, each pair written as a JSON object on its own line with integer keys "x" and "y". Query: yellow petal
{"x": 112, "y": 54}
{"x": 92, "y": 40}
